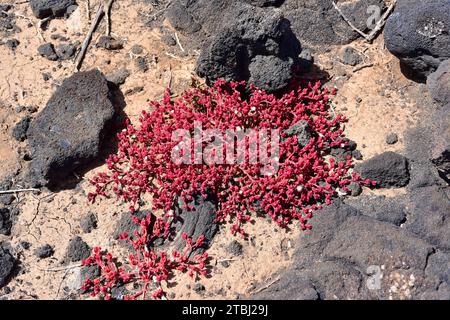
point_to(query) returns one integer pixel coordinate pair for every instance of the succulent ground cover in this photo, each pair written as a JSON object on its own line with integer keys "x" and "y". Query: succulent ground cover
{"x": 303, "y": 174}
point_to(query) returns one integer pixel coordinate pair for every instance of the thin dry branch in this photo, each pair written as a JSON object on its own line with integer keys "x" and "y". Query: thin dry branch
{"x": 73, "y": 266}
{"x": 178, "y": 42}
{"x": 363, "y": 66}
{"x": 88, "y": 38}
{"x": 380, "y": 24}
{"x": 107, "y": 9}
{"x": 18, "y": 190}
{"x": 266, "y": 286}
{"x": 38, "y": 28}
{"x": 88, "y": 9}
{"x": 349, "y": 22}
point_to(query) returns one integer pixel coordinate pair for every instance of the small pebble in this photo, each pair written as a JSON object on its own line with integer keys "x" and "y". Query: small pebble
{"x": 357, "y": 155}
{"x": 391, "y": 138}
{"x": 45, "y": 251}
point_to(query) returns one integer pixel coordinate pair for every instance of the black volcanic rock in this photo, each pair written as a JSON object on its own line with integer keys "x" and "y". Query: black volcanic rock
{"x": 69, "y": 131}
{"x": 46, "y": 8}
{"x": 7, "y": 265}
{"x": 388, "y": 169}
{"x": 417, "y": 32}
{"x": 439, "y": 83}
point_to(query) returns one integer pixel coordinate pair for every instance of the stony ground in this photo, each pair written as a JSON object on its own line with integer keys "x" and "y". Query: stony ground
{"x": 391, "y": 242}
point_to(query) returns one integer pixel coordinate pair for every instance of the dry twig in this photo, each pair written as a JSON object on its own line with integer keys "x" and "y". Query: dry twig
{"x": 73, "y": 266}
{"x": 266, "y": 286}
{"x": 87, "y": 40}
{"x": 88, "y": 9}
{"x": 381, "y": 22}
{"x": 107, "y": 9}
{"x": 363, "y": 66}
{"x": 18, "y": 190}
{"x": 178, "y": 42}
{"x": 348, "y": 21}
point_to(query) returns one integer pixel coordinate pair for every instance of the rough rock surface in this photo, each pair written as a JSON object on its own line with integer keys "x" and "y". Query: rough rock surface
{"x": 196, "y": 222}
{"x": 259, "y": 41}
{"x": 391, "y": 138}
{"x": 355, "y": 189}
{"x": 294, "y": 287}
{"x": 351, "y": 57}
{"x": 302, "y": 130}
{"x": 440, "y": 152}
{"x": 259, "y": 48}
{"x": 388, "y": 169}
{"x": 341, "y": 257}
{"x": 5, "y": 221}
{"x": 380, "y": 247}
{"x": 270, "y": 72}
{"x": 6, "y": 199}
{"x": 12, "y": 44}
{"x": 265, "y": 3}
{"x": 88, "y": 223}
{"x": 381, "y": 208}
{"x": 46, "y": 8}
{"x": 126, "y": 224}
{"x": 425, "y": 147}
{"x": 442, "y": 161}
{"x": 65, "y": 51}
{"x": 7, "y": 264}
{"x": 119, "y": 76}
{"x": 239, "y": 41}
{"x": 68, "y": 132}
{"x": 19, "y": 132}
{"x": 47, "y": 50}
{"x": 8, "y": 24}
{"x": 235, "y": 248}
{"x": 109, "y": 43}
{"x": 378, "y": 241}
{"x": 417, "y": 32}
{"x": 45, "y": 251}
{"x": 77, "y": 250}
{"x": 317, "y": 22}
{"x": 439, "y": 83}
{"x": 429, "y": 215}
{"x": 439, "y": 267}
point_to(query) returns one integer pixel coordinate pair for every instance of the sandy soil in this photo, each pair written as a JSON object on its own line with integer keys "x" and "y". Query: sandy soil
{"x": 386, "y": 105}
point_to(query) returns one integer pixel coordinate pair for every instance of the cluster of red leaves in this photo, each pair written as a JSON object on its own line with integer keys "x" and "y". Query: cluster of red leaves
{"x": 307, "y": 176}
{"x": 147, "y": 267}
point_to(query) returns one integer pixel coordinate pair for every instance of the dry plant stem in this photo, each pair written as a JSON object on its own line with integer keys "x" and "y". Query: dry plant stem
{"x": 178, "y": 42}
{"x": 266, "y": 286}
{"x": 18, "y": 190}
{"x": 42, "y": 21}
{"x": 38, "y": 28}
{"x": 169, "y": 85}
{"x": 87, "y": 40}
{"x": 349, "y": 22}
{"x": 61, "y": 283}
{"x": 107, "y": 9}
{"x": 159, "y": 12}
{"x": 225, "y": 260}
{"x": 372, "y": 35}
{"x": 88, "y": 9}
{"x": 102, "y": 10}
{"x": 368, "y": 65}
{"x": 381, "y": 22}
{"x": 78, "y": 265}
